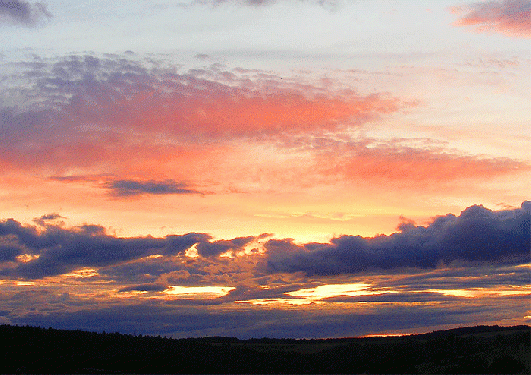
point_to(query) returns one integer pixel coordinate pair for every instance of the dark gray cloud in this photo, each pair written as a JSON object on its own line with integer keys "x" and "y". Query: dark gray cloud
{"x": 145, "y": 288}
{"x": 218, "y": 247}
{"x": 70, "y": 251}
{"x": 128, "y": 188}
{"x": 8, "y": 253}
{"x": 417, "y": 300}
{"x": 464, "y": 276}
{"x": 477, "y": 235}
{"x": 22, "y": 12}
{"x": 245, "y": 293}
{"x": 46, "y": 219}
{"x": 179, "y": 243}
{"x": 61, "y": 250}
{"x": 144, "y": 270}
{"x": 395, "y": 298}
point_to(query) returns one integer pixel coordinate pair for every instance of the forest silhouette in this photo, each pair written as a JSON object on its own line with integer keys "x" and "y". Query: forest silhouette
{"x": 480, "y": 349}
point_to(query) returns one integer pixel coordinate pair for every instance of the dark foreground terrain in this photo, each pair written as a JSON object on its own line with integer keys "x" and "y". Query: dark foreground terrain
{"x": 482, "y": 349}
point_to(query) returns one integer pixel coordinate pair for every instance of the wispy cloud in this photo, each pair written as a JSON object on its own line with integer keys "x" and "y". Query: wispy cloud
{"x": 508, "y": 17}
{"x": 257, "y": 3}
{"x": 23, "y": 13}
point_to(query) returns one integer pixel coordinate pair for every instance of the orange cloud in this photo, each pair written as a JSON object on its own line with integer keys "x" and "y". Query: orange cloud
{"x": 508, "y": 17}
{"x": 414, "y": 168}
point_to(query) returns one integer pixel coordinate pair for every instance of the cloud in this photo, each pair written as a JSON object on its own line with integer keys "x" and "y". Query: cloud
{"x": 8, "y": 253}
{"x": 477, "y": 235}
{"x": 130, "y": 128}
{"x": 219, "y": 247}
{"x": 258, "y": 3}
{"x": 124, "y": 92}
{"x": 145, "y": 288}
{"x": 108, "y": 107}
{"x": 127, "y": 188}
{"x": 508, "y": 17}
{"x": 403, "y": 286}
{"x": 22, "y": 12}
{"x": 59, "y": 250}
{"x": 54, "y": 250}
{"x": 45, "y": 219}
{"x": 405, "y": 166}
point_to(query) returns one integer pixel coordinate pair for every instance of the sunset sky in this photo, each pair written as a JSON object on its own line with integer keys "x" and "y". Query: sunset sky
{"x": 278, "y": 168}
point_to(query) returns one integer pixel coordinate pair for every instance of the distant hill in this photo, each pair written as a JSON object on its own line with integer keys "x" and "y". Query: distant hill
{"x": 481, "y": 349}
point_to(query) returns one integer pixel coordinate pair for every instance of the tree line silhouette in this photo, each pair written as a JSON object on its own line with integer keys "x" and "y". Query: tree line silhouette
{"x": 480, "y": 349}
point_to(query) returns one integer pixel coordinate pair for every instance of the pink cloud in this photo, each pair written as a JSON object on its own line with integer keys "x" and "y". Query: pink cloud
{"x": 189, "y": 107}
{"x": 508, "y": 17}
{"x": 99, "y": 112}
{"x": 120, "y": 121}
{"x": 410, "y": 168}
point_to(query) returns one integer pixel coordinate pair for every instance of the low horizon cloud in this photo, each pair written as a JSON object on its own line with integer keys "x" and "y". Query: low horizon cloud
{"x": 477, "y": 235}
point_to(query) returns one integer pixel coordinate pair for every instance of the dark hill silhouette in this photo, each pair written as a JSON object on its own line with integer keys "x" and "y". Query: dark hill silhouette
{"x": 481, "y": 349}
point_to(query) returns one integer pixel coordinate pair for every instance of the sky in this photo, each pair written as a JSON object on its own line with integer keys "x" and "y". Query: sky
{"x": 265, "y": 168}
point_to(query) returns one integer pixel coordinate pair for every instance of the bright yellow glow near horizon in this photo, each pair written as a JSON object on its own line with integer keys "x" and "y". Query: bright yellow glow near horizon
{"x": 336, "y": 290}
{"x": 481, "y": 292}
{"x": 25, "y": 283}
{"x": 198, "y": 291}
{"x": 280, "y": 301}
{"x": 333, "y": 290}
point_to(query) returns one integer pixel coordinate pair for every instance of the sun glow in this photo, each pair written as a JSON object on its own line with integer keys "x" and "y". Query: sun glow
{"x": 25, "y": 258}
{"x": 280, "y": 301}
{"x": 318, "y": 294}
{"x": 385, "y": 335}
{"x": 336, "y": 290}
{"x": 25, "y": 283}
{"x": 83, "y": 273}
{"x": 198, "y": 291}
{"x": 481, "y": 292}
